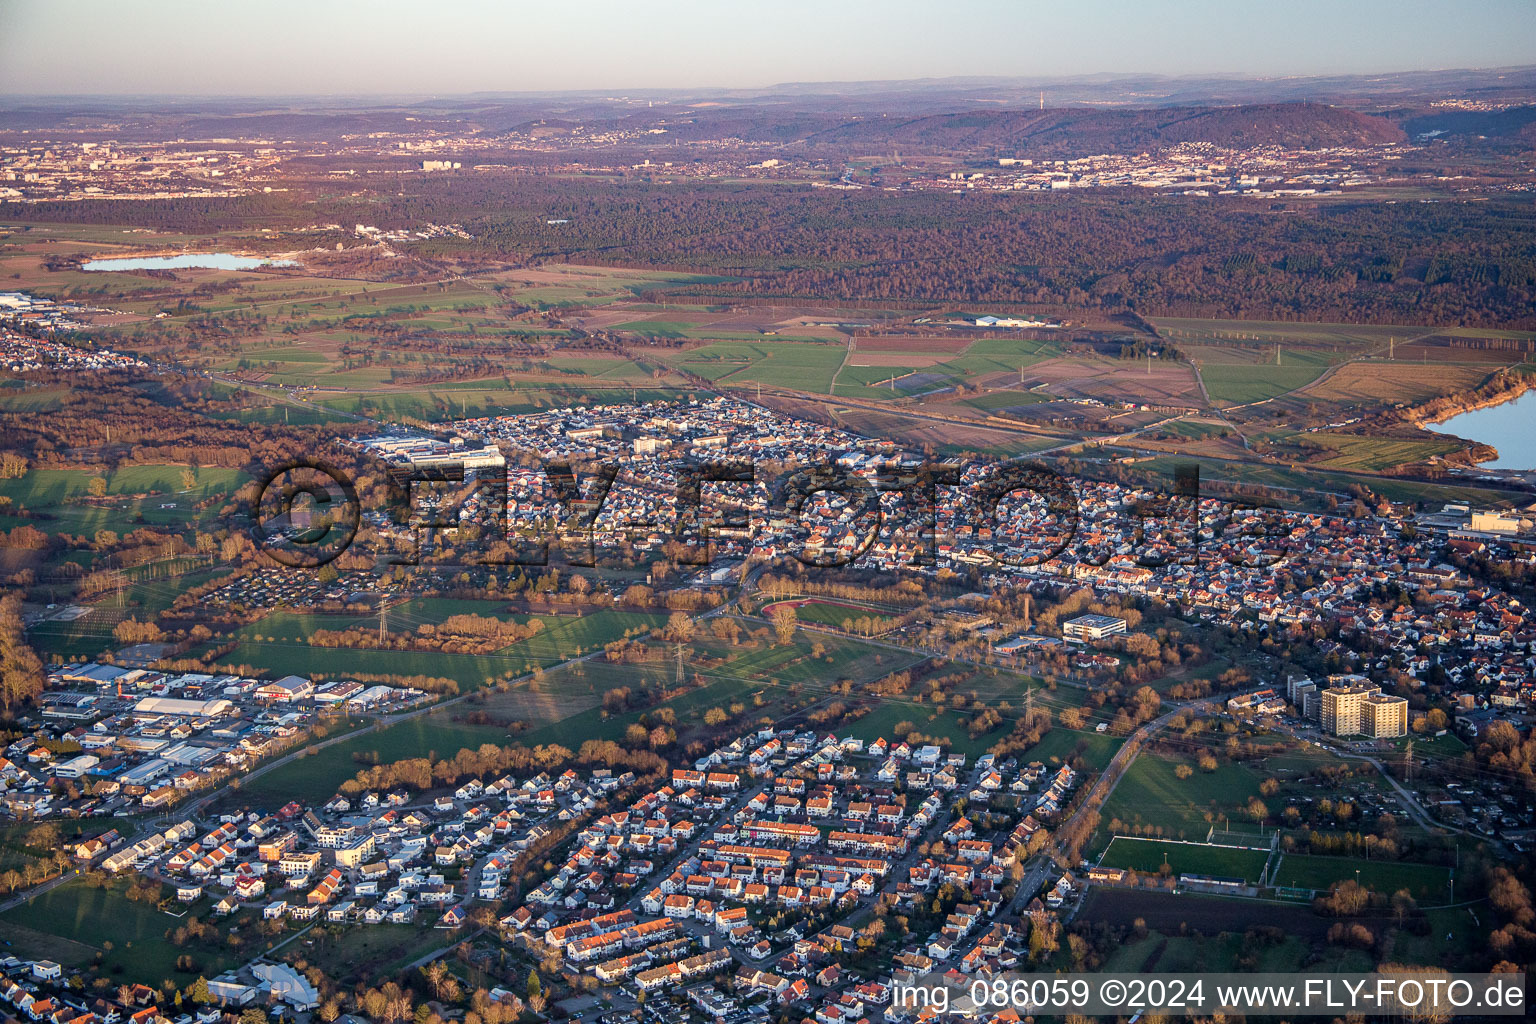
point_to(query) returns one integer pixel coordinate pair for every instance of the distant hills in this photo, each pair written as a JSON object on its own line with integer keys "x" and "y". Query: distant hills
{"x": 972, "y": 116}
{"x": 1082, "y": 131}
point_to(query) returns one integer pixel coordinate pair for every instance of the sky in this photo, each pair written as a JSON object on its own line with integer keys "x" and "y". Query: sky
{"x": 442, "y": 47}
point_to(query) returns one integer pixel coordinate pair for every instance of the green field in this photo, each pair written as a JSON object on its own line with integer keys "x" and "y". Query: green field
{"x": 1093, "y": 749}
{"x": 1148, "y": 855}
{"x": 1241, "y": 383}
{"x": 994, "y": 401}
{"x": 1308, "y": 481}
{"x": 805, "y": 366}
{"x": 1149, "y": 794}
{"x": 374, "y": 951}
{"x": 830, "y": 613}
{"x": 48, "y": 488}
{"x": 562, "y": 708}
{"x": 562, "y": 637}
{"x": 316, "y": 777}
{"x": 1427, "y": 883}
{"x": 1374, "y": 454}
{"x": 882, "y": 721}
{"x": 93, "y": 917}
{"x": 996, "y": 355}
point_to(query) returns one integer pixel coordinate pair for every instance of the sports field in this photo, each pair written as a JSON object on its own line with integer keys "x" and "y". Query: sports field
{"x": 1427, "y": 883}
{"x": 1148, "y": 856}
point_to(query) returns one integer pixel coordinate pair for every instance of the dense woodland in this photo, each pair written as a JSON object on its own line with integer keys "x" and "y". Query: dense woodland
{"x": 1336, "y": 260}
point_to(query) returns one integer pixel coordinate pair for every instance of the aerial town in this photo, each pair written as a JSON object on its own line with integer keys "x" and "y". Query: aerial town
{"x": 53, "y": 169}
{"x": 613, "y": 515}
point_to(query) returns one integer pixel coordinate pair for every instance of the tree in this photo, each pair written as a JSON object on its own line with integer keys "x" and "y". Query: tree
{"x": 534, "y": 987}
{"x": 21, "y": 671}
{"x": 435, "y": 972}
{"x": 132, "y": 631}
{"x": 198, "y": 992}
{"x": 679, "y": 629}
{"x": 97, "y": 487}
{"x": 784, "y": 620}
{"x": 44, "y": 836}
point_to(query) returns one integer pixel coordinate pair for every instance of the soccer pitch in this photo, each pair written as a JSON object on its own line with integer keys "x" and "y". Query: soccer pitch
{"x": 1148, "y": 856}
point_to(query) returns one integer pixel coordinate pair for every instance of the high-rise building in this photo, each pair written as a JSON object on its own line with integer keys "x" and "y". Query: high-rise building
{"x": 1361, "y": 709}
{"x": 1386, "y": 717}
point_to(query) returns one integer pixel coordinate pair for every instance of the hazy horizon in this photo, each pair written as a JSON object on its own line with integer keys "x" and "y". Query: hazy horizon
{"x": 341, "y": 49}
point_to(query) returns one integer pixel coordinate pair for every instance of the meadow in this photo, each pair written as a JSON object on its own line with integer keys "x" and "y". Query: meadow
{"x": 561, "y": 707}
{"x": 804, "y": 366}
{"x": 1150, "y": 795}
{"x": 129, "y": 934}
{"x": 50, "y": 488}
{"x": 277, "y": 644}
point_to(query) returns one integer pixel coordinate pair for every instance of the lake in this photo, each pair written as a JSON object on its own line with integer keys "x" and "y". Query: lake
{"x": 1507, "y": 426}
{"x": 187, "y": 261}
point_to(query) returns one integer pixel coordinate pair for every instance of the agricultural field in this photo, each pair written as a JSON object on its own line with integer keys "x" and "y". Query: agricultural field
{"x": 804, "y": 366}
{"x": 881, "y": 723}
{"x": 1376, "y": 382}
{"x": 51, "y": 488}
{"x": 1329, "y": 450}
{"x": 822, "y": 612}
{"x": 1148, "y": 855}
{"x": 1209, "y": 915}
{"x": 1163, "y": 382}
{"x": 561, "y": 706}
{"x": 1004, "y": 401}
{"x": 1240, "y": 383}
{"x": 376, "y": 951}
{"x": 1093, "y": 750}
{"x": 150, "y": 589}
{"x": 947, "y": 438}
{"x": 1343, "y": 339}
{"x": 1160, "y": 468}
{"x": 1195, "y": 953}
{"x": 314, "y": 778}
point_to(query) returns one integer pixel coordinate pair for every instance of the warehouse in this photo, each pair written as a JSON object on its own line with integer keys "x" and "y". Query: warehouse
{"x": 183, "y": 708}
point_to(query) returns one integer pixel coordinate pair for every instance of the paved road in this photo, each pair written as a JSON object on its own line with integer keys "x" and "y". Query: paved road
{"x": 1044, "y": 864}
{"x": 51, "y": 884}
{"x": 380, "y": 722}
{"x": 1408, "y": 799}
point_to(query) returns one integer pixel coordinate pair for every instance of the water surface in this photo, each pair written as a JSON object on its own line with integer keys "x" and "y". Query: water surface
{"x": 1509, "y": 426}
{"x": 187, "y": 261}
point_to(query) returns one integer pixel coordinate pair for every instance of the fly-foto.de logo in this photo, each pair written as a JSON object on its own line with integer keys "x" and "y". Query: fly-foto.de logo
{"x": 1017, "y": 514}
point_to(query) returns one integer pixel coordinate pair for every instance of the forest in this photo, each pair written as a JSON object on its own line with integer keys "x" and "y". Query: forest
{"x": 1339, "y": 260}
